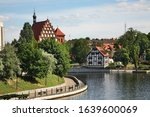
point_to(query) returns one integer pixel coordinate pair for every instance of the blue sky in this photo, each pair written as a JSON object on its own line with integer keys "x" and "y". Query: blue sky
{"x": 77, "y": 18}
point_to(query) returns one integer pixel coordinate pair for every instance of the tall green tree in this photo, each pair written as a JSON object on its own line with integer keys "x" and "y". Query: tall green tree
{"x": 148, "y": 54}
{"x": 10, "y": 62}
{"x": 50, "y": 62}
{"x": 30, "y": 55}
{"x": 136, "y": 43}
{"x": 148, "y": 35}
{"x": 122, "y": 55}
{"x": 134, "y": 53}
{"x": 80, "y": 50}
{"x": 59, "y": 52}
{"x": 26, "y": 34}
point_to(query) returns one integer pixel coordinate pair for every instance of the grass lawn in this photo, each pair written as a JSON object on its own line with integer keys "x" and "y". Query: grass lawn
{"x": 9, "y": 86}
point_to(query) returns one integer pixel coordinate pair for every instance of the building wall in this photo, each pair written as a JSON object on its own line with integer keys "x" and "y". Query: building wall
{"x": 60, "y": 39}
{"x": 47, "y": 32}
{"x": 1, "y": 36}
{"x": 95, "y": 58}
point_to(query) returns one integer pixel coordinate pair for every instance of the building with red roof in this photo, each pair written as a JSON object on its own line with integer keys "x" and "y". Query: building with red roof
{"x": 97, "y": 57}
{"x": 60, "y": 35}
{"x": 44, "y": 30}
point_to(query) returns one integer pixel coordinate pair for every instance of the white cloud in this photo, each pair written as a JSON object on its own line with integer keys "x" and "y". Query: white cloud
{"x": 8, "y": 2}
{"x": 11, "y": 33}
{"x": 95, "y": 22}
{"x": 134, "y": 6}
{"x": 4, "y": 18}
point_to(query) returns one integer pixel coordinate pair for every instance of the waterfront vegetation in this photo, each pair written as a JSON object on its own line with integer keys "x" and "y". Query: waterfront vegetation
{"x": 132, "y": 50}
{"x": 26, "y": 64}
{"x": 21, "y": 84}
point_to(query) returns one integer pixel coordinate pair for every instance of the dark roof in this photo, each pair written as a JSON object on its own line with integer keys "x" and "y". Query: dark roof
{"x": 58, "y": 32}
{"x": 102, "y": 51}
{"x": 37, "y": 28}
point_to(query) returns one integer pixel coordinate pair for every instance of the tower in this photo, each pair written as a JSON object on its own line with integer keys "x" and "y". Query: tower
{"x": 34, "y": 17}
{"x": 1, "y": 36}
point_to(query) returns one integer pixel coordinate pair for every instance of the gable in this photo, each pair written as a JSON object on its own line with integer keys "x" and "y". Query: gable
{"x": 99, "y": 50}
{"x": 43, "y": 30}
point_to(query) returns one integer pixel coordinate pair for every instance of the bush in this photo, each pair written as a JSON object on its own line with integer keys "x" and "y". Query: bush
{"x": 112, "y": 66}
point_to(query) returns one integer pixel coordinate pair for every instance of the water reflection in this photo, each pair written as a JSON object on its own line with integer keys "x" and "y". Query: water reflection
{"x": 114, "y": 86}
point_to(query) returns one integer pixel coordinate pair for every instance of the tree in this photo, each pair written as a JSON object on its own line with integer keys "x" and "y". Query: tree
{"x": 35, "y": 62}
{"x": 148, "y": 35}
{"x": 134, "y": 53}
{"x": 80, "y": 50}
{"x": 148, "y": 54}
{"x": 26, "y": 34}
{"x": 136, "y": 43}
{"x": 122, "y": 55}
{"x": 11, "y": 64}
{"x": 50, "y": 63}
{"x": 44, "y": 66}
{"x": 59, "y": 52}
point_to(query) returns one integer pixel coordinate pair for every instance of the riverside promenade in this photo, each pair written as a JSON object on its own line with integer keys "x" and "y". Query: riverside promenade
{"x": 71, "y": 86}
{"x": 100, "y": 70}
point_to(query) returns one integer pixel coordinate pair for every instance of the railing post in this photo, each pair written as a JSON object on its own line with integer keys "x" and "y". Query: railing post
{"x": 46, "y": 92}
{"x": 35, "y": 94}
{"x": 51, "y": 91}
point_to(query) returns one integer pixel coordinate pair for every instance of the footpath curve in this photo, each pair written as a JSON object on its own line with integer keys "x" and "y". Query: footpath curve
{"x": 71, "y": 86}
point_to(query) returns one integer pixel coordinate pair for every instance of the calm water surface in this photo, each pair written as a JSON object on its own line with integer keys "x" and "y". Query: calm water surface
{"x": 114, "y": 86}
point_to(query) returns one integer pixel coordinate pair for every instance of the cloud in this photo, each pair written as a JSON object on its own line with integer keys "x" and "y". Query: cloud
{"x": 134, "y": 6}
{"x": 12, "y": 32}
{"x": 8, "y": 2}
{"x": 101, "y": 21}
{"x": 4, "y": 18}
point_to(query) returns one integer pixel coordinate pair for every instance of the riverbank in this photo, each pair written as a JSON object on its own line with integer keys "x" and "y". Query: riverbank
{"x": 97, "y": 70}
{"x": 71, "y": 86}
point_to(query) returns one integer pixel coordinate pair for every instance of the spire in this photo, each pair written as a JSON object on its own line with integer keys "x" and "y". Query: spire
{"x": 34, "y": 17}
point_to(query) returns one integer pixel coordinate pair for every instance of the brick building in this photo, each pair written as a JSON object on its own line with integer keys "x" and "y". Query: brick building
{"x": 44, "y": 30}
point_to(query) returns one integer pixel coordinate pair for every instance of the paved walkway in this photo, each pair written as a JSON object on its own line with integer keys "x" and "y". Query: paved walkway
{"x": 68, "y": 82}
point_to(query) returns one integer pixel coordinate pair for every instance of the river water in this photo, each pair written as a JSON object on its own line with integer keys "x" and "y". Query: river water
{"x": 114, "y": 86}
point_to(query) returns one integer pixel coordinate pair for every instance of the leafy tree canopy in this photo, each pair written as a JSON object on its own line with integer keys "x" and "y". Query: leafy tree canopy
{"x": 80, "y": 50}
{"x": 60, "y": 53}
{"x": 136, "y": 43}
{"x": 11, "y": 64}
{"x": 122, "y": 55}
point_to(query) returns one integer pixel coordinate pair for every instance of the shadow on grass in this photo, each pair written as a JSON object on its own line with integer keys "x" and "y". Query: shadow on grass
{"x": 30, "y": 79}
{"x": 4, "y": 80}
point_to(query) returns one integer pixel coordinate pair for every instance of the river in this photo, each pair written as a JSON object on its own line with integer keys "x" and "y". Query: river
{"x": 114, "y": 86}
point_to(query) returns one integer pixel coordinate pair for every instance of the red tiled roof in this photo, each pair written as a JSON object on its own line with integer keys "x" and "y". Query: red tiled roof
{"x": 58, "y": 32}
{"x": 37, "y": 28}
{"x": 108, "y": 46}
{"x": 102, "y": 51}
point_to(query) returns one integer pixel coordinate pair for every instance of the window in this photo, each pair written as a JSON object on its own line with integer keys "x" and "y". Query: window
{"x": 90, "y": 63}
{"x": 92, "y": 53}
{"x": 99, "y": 62}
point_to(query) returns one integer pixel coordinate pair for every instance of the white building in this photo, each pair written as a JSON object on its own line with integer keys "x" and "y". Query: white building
{"x": 97, "y": 58}
{"x": 1, "y": 36}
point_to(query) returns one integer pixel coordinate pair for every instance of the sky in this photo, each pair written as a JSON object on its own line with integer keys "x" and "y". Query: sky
{"x": 77, "y": 18}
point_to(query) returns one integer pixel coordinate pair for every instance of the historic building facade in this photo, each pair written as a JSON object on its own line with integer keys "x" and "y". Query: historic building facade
{"x": 1, "y": 36}
{"x": 60, "y": 35}
{"x": 44, "y": 30}
{"x": 97, "y": 58}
